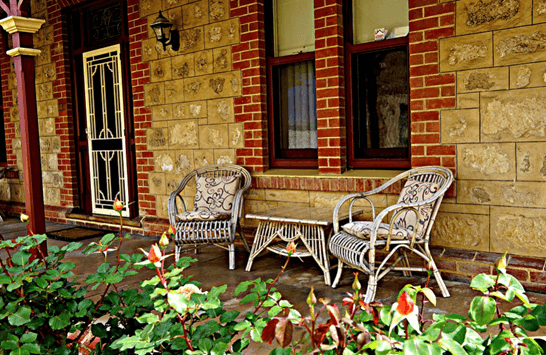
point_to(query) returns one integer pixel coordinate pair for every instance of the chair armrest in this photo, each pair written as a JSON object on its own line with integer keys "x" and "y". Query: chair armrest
{"x": 352, "y": 198}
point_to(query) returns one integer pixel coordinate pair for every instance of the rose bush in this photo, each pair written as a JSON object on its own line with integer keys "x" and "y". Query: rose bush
{"x": 45, "y": 310}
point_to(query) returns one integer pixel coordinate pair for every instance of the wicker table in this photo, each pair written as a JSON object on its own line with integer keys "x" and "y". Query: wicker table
{"x": 291, "y": 223}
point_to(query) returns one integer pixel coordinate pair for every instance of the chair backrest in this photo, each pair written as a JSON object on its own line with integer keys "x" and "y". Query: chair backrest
{"x": 423, "y": 183}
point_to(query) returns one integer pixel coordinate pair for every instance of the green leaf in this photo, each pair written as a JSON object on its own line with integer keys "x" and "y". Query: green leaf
{"x": 452, "y": 346}
{"x": 28, "y": 337}
{"x": 249, "y": 298}
{"x": 21, "y": 257}
{"x": 482, "y": 309}
{"x": 66, "y": 267}
{"x": 59, "y": 321}
{"x": 148, "y": 318}
{"x": 274, "y": 311}
{"x": 482, "y": 282}
{"x": 229, "y": 316}
{"x": 242, "y": 325}
{"x": 22, "y": 316}
{"x": 529, "y": 323}
{"x": 430, "y": 295}
{"x": 242, "y": 287}
{"x": 32, "y": 348}
{"x": 454, "y": 331}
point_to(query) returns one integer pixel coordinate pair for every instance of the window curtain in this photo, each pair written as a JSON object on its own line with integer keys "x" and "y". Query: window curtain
{"x": 300, "y": 108}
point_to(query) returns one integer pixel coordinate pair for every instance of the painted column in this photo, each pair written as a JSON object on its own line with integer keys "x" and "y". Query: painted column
{"x": 21, "y": 29}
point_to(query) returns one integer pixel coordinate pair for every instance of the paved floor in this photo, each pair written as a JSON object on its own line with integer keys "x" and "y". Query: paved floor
{"x": 211, "y": 269}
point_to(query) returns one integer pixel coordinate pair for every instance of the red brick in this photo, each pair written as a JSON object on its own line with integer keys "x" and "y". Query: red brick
{"x": 432, "y": 127}
{"x": 430, "y": 46}
{"x": 527, "y": 262}
{"x": 439, "y": 33}
{"x": 417, "y": 105}
{"x": 423, "y": 24}
{"x": 441, "y": 150}
{"x": 416, "y": 59}
{"x": 424, "y": 70}
{"x": 426, "y": 138}
{"x": 415, "y": 14}
{"x": 447, "y": 20}
{"x": 425, "y": 116}
{"x": 440, "y": 79}
{"x": 416, "y": 82}
{"x": 415, "y": 37}
{"x": 431, "y": 57}
{"x": 440, "y": 103}
{"x": 539, "y": 277}
{"x": 440, "y": 9}
{"x": 417, "y": 150}
{"x": 448, "y": 91}
{"x": 420, "y": 3}
{"x": 426, "y": 92}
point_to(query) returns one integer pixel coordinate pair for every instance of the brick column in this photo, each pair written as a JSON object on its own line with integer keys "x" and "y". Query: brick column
{"x": 249, "y": 56}
{"x": 430, "y": 91}
{"x": 330, "y": 72}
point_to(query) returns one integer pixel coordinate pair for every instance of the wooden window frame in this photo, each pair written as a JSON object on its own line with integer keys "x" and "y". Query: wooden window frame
{"x": 289, "y": 158}
{"x": 350, "y": 50}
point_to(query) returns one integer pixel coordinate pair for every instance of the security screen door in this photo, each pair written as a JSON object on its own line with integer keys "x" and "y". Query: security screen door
{"x": 105, "y": 129}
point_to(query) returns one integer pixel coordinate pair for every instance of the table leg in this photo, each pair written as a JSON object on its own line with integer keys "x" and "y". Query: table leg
{"x": 314, "y": 241}
{"x": 267, "y": 231}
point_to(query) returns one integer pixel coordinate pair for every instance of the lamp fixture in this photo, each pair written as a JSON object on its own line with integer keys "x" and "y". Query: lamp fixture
{"x": 162, "y": 29}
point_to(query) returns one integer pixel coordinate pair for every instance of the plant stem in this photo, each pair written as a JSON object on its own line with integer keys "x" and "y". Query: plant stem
{"x": 271, "y": 286}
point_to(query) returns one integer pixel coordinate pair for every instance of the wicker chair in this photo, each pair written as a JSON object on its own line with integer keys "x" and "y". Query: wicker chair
{"x": 218, "y": 206}
{"x": 355, "y": 243}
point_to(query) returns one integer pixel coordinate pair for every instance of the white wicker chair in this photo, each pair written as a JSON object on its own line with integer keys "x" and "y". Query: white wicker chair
{"x": 355, "y": 244}
{"x": 219, "y": 230}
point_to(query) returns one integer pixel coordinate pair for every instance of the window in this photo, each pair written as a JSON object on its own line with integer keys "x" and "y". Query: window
{"x": 377, "y": 85}
{"x": 291, "y": 75}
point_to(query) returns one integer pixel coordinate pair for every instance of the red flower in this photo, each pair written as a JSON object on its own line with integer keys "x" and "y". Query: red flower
{"x": 155, "y": 254}
{"x": 118, "y": 206}
{"x": 291, "y": 248}
{"x": 172, "y": 231}
{"x": 405, "y": 304}
{"x": 164, "y": 241}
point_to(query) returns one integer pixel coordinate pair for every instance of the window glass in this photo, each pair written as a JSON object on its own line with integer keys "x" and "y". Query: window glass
{"x": 294, "y": 27}
{"x": 295, "y": 103}
{"x": 369, "y": 15}
{"x": 380, "y": 104}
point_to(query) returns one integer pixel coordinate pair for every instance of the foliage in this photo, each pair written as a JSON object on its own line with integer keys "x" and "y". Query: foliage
{"x": 45, "y": 310}
{"x": 378, "y": 329}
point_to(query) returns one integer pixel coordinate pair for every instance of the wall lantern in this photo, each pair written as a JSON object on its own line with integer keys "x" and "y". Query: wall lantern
{"x": 163, "y": 33}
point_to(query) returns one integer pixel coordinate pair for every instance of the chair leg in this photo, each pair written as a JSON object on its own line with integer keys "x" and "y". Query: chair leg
{"x": 406, "y": 263}
{"x": 437, "y": 275}
{"x": 338, "y": 274}
{"x": 176, "y": 253}
{"x": 371, "y": 290}
{"x": 231, "y": 251}
{"x": 242, "y": 235}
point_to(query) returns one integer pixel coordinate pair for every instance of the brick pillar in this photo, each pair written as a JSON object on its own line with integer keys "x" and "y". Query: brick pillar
{"x": 430, "y": 91}
{"x": 330, "y": 72}
{"x": 249, "y": 56}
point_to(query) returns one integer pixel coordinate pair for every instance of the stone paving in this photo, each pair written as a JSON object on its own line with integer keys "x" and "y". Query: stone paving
{"x": 211, "y": 269}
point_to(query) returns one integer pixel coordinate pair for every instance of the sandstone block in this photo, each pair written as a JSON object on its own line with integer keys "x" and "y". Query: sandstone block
{"x": 220, "y": 34}
{"x": 497, "y": 193}
{"x": 164, "y": 161}
{"x": 514, "y": 115}
{"x": 44, "y": 57}
{"x": 213, "y": 136}
{"x": 236, "y": 136}
{"x": 39, "y": 5}
{"x": 148, "y": 49}
{"x": 160, "y": 70}
{"x": 52, "y": 196}
{"x": 466, "y": 52}
{"x": 218, "y": 10}
{"x": 518, "y": 231}
{"x": 287, "y": 196}
{"x": 203, "y": 62}
{"x": 224, "y": 156}
{"x": 12, "y": 81}
{"x": 254, "y": 206}
{"x": 45, "y": 73}
{"x": 183, "y": 163}
{"x": 203, "y": 157}
{"x": 255, "y": 194}
{"x": 222, "y": 59}
{"x": 156, "y": 182}
{"x": 482, "y": 80}
{"x": 154, "y": 94}
{"x": 220, "y": 111}
{"x": 527, "y": 75}
{"x": 191, "y": 40}
{"x": 520, "y": 45}
{"x": 148, "y": 7}
{"x": 162, "y": 112}
{"x": 461, "y": 208}
{"x": 183, "y": 134}
{"x": 531, "y": 161}
{"x": 162, "y": 206}
{"x": 167, "y": 4}
{"x": 195, "y": 14}
{"x": 174, "y": 91}
{"x": 175, "y": 16}
{"x": 462, "y": 231}
{"x": 157, "y": 138}
{"x": 539, "y": 11}
{"x": 194, "y": 109}
{"x": 183, "y": 66}
{"x": 44, "y": 91}
{"x": 460, "y": 126}
{"x": 486, "y": 161}
{"x": 213, "y": 86}
{"x": 480, "y": 16}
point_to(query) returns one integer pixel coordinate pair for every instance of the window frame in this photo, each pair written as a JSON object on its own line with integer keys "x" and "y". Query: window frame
{"x": 350, "y": 50}
{"x": 293, "y": 158}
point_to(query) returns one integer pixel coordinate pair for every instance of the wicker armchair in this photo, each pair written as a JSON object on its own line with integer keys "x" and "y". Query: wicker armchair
{"x": 217, "y": 209}
{"x": 355, "y": 243}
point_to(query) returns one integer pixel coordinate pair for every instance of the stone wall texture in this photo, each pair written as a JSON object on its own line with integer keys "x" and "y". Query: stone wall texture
{"x": 477, "y": 92}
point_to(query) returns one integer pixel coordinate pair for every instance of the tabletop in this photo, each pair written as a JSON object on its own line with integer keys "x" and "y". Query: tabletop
{"x": 303, "y": 215}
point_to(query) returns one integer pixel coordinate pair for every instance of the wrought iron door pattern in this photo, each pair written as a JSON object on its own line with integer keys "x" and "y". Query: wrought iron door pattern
{"x": 105, "y": 128}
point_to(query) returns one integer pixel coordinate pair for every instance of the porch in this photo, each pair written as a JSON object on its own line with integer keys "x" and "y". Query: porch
{"x": 211, "y": 269}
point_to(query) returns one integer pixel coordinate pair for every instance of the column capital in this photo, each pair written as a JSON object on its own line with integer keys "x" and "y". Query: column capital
{"x": 13, "y": 24}
{"x": 31, "y": 52}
